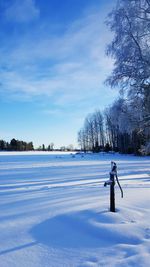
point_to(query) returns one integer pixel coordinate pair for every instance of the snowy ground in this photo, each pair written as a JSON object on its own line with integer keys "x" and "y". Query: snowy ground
{"x": 54, "y": 211}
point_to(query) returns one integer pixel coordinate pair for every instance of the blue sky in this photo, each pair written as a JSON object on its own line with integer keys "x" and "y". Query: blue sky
{"x": 53, "y": 67}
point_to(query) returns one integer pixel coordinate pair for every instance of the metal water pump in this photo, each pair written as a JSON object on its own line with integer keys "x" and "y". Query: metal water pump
{"x": 111, "y": 182}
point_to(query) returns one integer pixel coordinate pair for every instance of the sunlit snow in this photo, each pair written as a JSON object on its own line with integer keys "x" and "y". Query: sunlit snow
{"x": 54, "y": 211}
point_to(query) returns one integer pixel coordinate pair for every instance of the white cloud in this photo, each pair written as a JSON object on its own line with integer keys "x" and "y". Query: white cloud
{"x": 22, "y": 11}
{"x": 74, "y": 65}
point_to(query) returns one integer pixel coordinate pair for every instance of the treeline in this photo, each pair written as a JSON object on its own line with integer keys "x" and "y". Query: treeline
{"x": 125, "y": 126}
{"x": 118, "y": 129}
{"x": 16, "y": 145}
{"x": 44, "y": 148}
{"x": 50, "y": 147}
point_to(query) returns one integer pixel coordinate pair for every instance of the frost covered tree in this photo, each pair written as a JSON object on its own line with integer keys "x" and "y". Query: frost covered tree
{"x": 130, "y": 22}
{"x": 130, "y": 48}
{"x": 82, "y": 140}
{"x": 122, "y": 130}
{"x": 91, "y": 136}
{"x": 99, "y": 128}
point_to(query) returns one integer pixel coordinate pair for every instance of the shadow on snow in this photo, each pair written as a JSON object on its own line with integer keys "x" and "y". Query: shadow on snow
{"x": 86, "y": 229}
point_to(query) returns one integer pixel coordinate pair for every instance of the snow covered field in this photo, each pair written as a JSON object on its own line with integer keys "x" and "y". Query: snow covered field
{"x": 54, "y": 211}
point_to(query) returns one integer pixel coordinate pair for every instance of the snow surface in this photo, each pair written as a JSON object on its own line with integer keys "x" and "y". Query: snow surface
{"x": 54, "y": 211}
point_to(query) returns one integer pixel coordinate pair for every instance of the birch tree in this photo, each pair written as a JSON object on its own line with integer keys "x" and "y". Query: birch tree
{"x": 130, "y": 48}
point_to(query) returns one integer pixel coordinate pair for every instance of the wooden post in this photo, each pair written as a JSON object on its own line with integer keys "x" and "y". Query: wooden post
{"x": 112, "y": 193}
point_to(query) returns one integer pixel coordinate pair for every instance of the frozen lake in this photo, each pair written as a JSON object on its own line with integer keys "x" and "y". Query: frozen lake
{"x": 54, "y": 211}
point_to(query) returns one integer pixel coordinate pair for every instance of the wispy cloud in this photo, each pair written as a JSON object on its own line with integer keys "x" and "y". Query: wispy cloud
{"x": 69, "y": 68}
{"x": 21, "y": 11}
